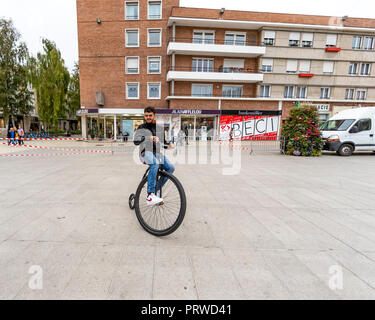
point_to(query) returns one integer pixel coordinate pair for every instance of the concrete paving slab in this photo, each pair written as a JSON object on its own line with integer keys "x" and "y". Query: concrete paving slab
{"x": 324, "y": 266}
{"x": 270, "y": 232}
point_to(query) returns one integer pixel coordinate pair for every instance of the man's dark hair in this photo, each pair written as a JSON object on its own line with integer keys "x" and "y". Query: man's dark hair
{"x": 150, "y": 109}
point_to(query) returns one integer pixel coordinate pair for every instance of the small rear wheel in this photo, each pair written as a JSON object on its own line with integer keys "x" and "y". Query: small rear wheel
{"x": 346, "y": 150}
{"x": 132, "y": 201}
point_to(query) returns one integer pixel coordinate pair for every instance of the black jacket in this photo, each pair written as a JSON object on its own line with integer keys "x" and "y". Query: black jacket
{"x": 143, "y": 134}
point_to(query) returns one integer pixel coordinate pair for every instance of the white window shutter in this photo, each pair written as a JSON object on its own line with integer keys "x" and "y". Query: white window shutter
{"x": 269, "y": 34}
{"x": 331, "y": 39}
{"x": 307, "y": 37}
{"x": 132, "y": 63}
{"x": 267, "y": 62}
{"x": 304, "y": 66}
{"x": 328, "y": 67}
{"x": 231, "y": 63}
{"x": 292, "y": 65}
{"x": 295, "y": 36}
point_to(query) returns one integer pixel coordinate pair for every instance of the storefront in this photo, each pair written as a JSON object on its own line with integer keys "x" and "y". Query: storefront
{"x": 110, "y": 123}
{"x": 197, "y": 124}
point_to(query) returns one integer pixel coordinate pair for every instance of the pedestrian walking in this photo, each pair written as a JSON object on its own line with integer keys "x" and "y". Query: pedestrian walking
{"x": 231, "y": 135}
{"x": 8, "y": 136}
{"x": 12, "y": 136}
{"x": 186, "y": 135}
{"x": 172, "y": 134}
{"x": 21, "y": 135}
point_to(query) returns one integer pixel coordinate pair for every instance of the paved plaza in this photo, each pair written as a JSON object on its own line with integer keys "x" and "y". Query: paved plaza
{"x": 284, "y": 228}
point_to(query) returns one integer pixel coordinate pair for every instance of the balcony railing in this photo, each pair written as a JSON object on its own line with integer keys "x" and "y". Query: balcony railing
{"x": 221, "y": 69}
{"x": 216, "y": 41}
{"x": 215, "y": 96}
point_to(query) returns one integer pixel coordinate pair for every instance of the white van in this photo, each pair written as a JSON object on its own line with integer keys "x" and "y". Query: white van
{"x": 350, "y": 130}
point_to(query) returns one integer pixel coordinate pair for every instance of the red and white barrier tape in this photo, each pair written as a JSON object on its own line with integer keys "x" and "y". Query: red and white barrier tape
{"x": 39, "y": 154}
{"x": 57, "y": 148}
{"x": 48, "y": 139}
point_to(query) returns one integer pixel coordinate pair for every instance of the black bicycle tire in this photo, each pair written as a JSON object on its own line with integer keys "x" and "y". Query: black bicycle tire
{"x": 181, "y": 215}
{"x": 132, "y": 201}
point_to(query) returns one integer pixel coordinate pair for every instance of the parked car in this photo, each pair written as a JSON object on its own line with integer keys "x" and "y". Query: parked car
{"x": 349, "y": 131}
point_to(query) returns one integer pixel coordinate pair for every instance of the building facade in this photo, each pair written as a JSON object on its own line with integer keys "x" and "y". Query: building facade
{"x": 206, "y": 69}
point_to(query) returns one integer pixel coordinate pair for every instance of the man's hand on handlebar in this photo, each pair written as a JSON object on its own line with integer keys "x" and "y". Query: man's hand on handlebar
{"x": 154, "y": 139}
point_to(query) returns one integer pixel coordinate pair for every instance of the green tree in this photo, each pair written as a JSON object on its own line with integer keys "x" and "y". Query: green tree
{"x": 15, "y": 95}
{"x": 74, "y": 99}
{"x": 50, "y": 80}
{"x": 301, "y": 132}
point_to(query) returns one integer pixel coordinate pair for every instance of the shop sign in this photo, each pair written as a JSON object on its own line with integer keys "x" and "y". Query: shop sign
{"x": 322, "y": 108}
{"x": 253, "y": 113}
{"x": 247, "y": 127}
{"x": 87, "y": 111}
{"x": 187, "y": 111}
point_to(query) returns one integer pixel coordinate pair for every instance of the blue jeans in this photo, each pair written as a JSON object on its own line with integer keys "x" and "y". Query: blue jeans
{"x": 154, "y": 161}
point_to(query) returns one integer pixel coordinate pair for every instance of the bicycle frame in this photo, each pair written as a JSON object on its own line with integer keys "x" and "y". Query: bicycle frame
{"x": 157, "y": 179}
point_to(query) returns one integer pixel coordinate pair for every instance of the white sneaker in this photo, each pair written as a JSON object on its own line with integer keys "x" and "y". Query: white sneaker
{"x": 153, "y": 199}
{"x": 158, "y": 193}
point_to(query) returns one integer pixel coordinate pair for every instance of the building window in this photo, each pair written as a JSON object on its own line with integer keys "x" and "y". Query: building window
{"x": 153, "y": 65}
{"x": 301, "y": 92}
{"x": 201, "y": 90}
{"x": 325, "y": 93}
{"x": 328, "y": 67}
{"x": 132, "y": 65}
{"x": 204, "y": 37}
{"x": 291, "y": 66}
{"x": 203, "y": 65}
{"x": 233, "y": 66}
{"x": 265, "y": 91}
{"x": 153, "y": 90}
{"x": 267, "y": 65}
{"x": 154, "y": 38}
{"x": 232, "y": 91}
{"x": 154, "y": 10}
{"x": 331, "y": 40}
{"x": 353, "y": 68}
{"x": 369, "y": 43}
{"x": 132, "y": 38}
{"x": 294, "y": 39}
{"x": 132, "y": 91}
{"x": 364, "y": 125}
{"x": 269, "y": 38}
{"x": 289, "y": 92}
{"x": 307, "y": 40}
{"x": 131, "y": 10}
{"x": 357, "y": 43}
{"x": 361, "y": 94}
{"x": 365, "y": 69}
{"x": 304, "y": 66}
{"x": 235, "y": 39}
{"x": 349, "y": 94}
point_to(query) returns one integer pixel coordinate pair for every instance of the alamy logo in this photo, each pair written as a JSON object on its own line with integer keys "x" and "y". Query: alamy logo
{"x": 36, "y": 280}
{"x": 336, "y": 280}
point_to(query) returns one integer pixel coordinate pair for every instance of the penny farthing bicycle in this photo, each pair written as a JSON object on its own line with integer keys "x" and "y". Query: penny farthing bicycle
{"x": 164, "y": 218}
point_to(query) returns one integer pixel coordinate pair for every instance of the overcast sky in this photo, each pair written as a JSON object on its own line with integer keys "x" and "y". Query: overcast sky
{"x": 57, "y": 19}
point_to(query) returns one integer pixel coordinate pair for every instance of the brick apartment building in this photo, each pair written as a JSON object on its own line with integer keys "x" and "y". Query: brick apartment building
{"x": 207, "y": 69}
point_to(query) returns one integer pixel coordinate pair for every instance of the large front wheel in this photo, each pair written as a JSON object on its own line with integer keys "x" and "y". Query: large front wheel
{"x": 164, "y": 218}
